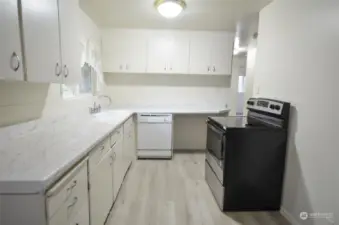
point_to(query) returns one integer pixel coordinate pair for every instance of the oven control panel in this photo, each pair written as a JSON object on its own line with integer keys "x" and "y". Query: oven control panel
{"x": 266, "y": 105}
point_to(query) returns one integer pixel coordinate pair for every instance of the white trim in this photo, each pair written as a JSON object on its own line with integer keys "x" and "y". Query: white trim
{"x": 289, "y": 217}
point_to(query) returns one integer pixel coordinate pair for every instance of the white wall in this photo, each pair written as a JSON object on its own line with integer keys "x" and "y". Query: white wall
{"x": 297, "y": 61}
{"x": 22, "y": 101}
{"x": 159, "y": 90}
{"x": 177, "y": 90}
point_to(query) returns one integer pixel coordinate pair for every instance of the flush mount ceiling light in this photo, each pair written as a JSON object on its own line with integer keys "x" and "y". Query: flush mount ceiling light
{"x": 170, "y": 8}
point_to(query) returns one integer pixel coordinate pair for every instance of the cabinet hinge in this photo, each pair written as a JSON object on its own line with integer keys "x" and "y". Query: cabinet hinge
{"x": 89, "y": 186}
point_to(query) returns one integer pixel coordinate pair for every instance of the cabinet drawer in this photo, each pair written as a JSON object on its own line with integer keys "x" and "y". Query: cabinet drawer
{"x": 82, "y": 217}
{"x": 69, "y": 190}
{"x": 97, "y": 153}
{"x": 72, "y": 212}
{"x": 116, "y": 137}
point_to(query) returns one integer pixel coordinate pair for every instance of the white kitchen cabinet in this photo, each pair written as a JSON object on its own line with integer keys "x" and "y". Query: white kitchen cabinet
{"x": 82, "y": 218}
{"x": 211, "y": 53}
{"x": 222, "y": 53}
{"x": 41, "y": 39}
{"x": 168, "y": 52}
{"x": 200, "y": 54}
{"x": 101, "y": 189}
{"x": 129, "y": 153}
{"x": 119, "y": 163}
{"x": 10, "y": 55}
{"x": 70, "y": 40}
{"x": 124, "y": 51}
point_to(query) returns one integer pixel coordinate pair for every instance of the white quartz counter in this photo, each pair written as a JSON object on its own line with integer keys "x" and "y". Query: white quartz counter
{"x": 34, "y": 155}
{"x": 196, "y": 110}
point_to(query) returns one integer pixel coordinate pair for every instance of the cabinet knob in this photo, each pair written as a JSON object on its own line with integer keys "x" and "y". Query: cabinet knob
{"x": 57, "y": 69}
{"x": 66, "y": 71}
{"x": 120, "y": 67}
{"x": 214, "y": 69}
{"x": 208, "y": 68}
{"x": 14, "y": 62}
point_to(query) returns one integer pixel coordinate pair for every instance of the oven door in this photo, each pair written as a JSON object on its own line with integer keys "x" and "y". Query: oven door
{"x": 215, "y": 140}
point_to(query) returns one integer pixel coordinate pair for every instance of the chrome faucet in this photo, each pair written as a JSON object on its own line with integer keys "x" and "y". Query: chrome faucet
{"x": 95, "y": 108}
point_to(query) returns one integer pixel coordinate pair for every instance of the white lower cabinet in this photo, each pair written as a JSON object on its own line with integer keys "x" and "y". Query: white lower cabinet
{"x": 82, "y": 218}
{"x": 118, "y": 165}
{"x": 101, "y": 189}
{"x": 85, "y": 194}
{"x": 69, "y": 197}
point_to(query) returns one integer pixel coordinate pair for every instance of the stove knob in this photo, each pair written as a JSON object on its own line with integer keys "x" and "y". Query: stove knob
{"x": 272, "y": 107}
{"x": 277, "y": 107}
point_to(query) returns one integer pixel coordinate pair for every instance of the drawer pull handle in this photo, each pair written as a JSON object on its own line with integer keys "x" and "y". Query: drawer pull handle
{"x": 75, "y": 200}
{"x": 102, "y": 148}
{"x": 72, "y": 185}
{"x": 112, "y": 146}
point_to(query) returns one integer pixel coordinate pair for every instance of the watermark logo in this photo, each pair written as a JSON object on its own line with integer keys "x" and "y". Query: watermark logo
{"x": 316, "y": 215}
{"x": 303, "y": 215}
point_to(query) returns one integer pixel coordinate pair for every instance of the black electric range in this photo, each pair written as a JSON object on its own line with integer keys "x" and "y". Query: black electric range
{"x": 245, "y": 156}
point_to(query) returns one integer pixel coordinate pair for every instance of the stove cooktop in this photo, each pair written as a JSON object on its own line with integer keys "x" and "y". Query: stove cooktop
{"x": 229, "y": 121}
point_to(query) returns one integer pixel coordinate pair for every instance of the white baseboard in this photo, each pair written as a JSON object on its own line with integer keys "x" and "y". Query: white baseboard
{"x": 289, "y": 217}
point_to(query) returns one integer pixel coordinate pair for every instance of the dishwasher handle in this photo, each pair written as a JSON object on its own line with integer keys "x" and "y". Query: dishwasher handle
{"x": 155, "y": 118}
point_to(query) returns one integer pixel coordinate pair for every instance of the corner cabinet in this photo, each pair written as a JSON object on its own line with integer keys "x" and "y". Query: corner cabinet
{"x": 41, "y": 42}
{"x": 167, "y": 52}
{"x": 10, "y": 55}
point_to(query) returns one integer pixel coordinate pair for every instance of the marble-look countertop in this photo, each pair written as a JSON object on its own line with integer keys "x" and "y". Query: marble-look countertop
{"x": 175, "y": 109}
{"x": 36, "y": 154}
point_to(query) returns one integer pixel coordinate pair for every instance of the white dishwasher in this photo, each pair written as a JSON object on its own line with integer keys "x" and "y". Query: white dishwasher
{"x": 154, "y": 139}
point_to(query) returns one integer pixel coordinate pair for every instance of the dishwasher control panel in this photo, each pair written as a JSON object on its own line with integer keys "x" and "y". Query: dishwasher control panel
{"x": 155, "y": 118}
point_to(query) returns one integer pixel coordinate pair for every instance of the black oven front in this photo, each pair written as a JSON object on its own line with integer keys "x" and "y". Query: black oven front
{"x": 216, "y": 140}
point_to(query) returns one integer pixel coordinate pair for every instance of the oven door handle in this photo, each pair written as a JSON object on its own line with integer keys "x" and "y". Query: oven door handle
{"x": 215, "y": 129}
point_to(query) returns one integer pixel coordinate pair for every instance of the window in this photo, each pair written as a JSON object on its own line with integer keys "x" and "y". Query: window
{"x": 241, "y": 84}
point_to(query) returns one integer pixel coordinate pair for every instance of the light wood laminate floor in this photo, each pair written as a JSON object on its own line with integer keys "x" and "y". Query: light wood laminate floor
{"x": 174, "y": 192}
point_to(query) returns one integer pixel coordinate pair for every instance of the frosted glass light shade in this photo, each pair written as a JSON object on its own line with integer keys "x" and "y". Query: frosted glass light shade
{"x": 170, "y": 8}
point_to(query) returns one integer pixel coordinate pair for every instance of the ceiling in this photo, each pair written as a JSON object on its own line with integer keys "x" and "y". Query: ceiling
{"x": 199, "y": 14}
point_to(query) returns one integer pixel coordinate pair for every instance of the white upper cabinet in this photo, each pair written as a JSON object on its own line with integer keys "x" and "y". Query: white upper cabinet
{"x": 211, "y": 53}
{"x": 70, "y": 40}
{"x": 222, "y": 53}
{"x": 168, "y": 52}
{"x": 41, "y": 39}
{"x": 200, "y": 54}
{"x": 124, "y": 51}
{"x": 10, "y": 48}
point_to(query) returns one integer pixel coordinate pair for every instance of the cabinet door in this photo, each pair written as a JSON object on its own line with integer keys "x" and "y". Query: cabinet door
{"x": 200, "y": 54}
{"x": 101, "y": 190}
{"x": 41, "y": 38}
{"x": 179, "y": 54}
{"x": 113, "y": 50}
{"x": 159, "y": 51}
{"x": 70, "y": 41}
{"x": 10, "y": 55}
{"x": 222, "y": 52}
{"x": 124, "y": 51}
{"x": 82, "y": 218}
{"x": 118, "y": 167}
